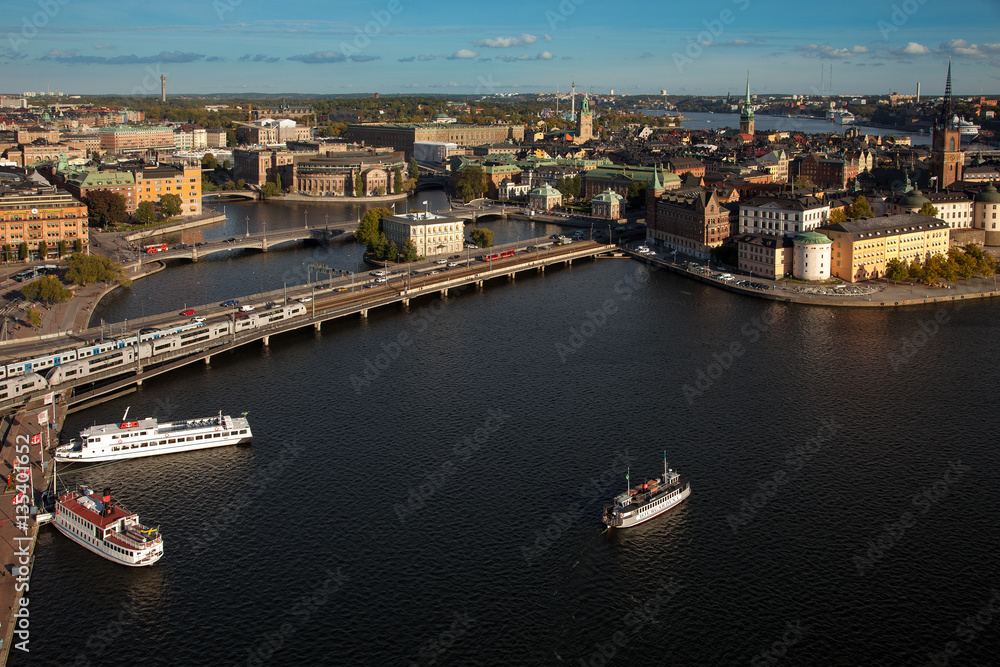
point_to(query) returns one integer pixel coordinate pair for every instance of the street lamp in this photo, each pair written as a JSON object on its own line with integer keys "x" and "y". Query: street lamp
{"x": 248, "y": 225}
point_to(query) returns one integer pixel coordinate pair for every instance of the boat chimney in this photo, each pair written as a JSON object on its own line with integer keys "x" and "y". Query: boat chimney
{"x": 106, "y": 498}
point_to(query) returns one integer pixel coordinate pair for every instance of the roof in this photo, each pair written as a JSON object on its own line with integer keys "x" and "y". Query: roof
{"x": 915, "y": 199}
{"x": 812, "y": 238}
{"x": 887, "y": 225}
{"x": 545, "y": 191}
{"x": 989, "y": 195}
{"x": 422, "y": 218}
{"x": 607, "y": 196}
{"x": 786, "y": 203}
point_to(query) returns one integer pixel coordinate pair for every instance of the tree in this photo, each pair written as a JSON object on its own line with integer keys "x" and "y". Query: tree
{"x": 569, "y": 186}
{"x": 48, "y": 289}
{"x": 85, "y": 269}
{"x": 277, "y": 182}
{"x": 145, "y": 212}
{"x": 471, "y": 183}
{"x": 370, "y": 228}
{"x": 22, "y": 251}
{"x": 269, "y": 190}
{"x": 170, "y": 205}
{"x": 837, "y": 215}
{"x": 62, "y": 248}
{"x": 482, "y": 237}
{"x": 230, "y": 137}
{"x": 77, "y": 245}
{"x": 392, "y": 252}
{"x": 8, "y": 252}
{"x": 397, "y": 180}
{"x": 860, "y": 209}
{"x": 34, "y": 317}
{"x": 414, "y": 168}
{"x": 636, "y": 194}
{"x": 209, "y": 161}
{"x": 227, "y": 165}
{"x": 106, "y": 208}
{"x": 895, "y": 269}
{"x": 928, "y": 209}
{"x": 359, "y": 185}
{"x": 43, "y": 251}
{"x": 803, "y": 182}
{"x": 410, "y": 251}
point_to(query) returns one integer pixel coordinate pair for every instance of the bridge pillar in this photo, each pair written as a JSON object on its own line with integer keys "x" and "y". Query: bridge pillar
{"x": 138, "y": 382}
{"x": 541, "y": 269}
{"x": 479, "y": 284}
{"x": 208, "y": 360}
{"x": 364, "y": 313}
{"x": 569, "y": 262}
{"x": 406, "y": 301}
{"x": 444, "y": 292}
{"x": 265, "y": 339}
{"x": 510, "y": 277}
{"x": 317, "y": 325}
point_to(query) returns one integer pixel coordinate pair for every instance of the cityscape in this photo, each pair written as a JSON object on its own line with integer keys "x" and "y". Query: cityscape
{"x": 564, "y": 338}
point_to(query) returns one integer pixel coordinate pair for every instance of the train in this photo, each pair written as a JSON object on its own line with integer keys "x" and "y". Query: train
{"x": 22, "y": 377}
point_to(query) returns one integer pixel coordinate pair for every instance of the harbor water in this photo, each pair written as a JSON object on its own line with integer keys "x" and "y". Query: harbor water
{"x": 425, "y": 486}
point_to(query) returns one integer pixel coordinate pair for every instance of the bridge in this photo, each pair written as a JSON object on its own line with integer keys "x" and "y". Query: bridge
{"x": 327, "y": 303}
{"x": 231, "y": 195}
{"x": 262, "y": 241}
{"x": 428, "y": 181}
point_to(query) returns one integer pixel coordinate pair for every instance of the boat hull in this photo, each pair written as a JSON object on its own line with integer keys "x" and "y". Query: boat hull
{"x": 80, "y": 457}
{"x": 654, "y": 509}
{"x": 112, "y": 556}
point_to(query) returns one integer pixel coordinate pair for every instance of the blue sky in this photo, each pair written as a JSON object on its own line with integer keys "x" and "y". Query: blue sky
{"x": 413, "y": 46}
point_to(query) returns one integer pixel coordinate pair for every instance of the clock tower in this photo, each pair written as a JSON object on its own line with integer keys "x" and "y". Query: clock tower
{"x": 947, "y": 157}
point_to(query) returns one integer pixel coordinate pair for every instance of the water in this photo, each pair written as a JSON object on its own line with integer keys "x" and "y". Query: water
{"x": 425, "y": 487}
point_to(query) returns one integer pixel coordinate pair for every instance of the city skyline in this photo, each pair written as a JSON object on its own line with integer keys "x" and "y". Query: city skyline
{"x": 394, "y": 46}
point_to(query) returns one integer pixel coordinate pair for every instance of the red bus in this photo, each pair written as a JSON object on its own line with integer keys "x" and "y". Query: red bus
{"x": 499, "y": 255}
{"x": 150, "y": 249}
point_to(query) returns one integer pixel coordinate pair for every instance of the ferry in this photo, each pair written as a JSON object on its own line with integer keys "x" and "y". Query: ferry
{"x": 966, "y": 128}
{"x": 106, "y": 528}
{"x": 647, "y": 500}
{"x": 148, "y": 437}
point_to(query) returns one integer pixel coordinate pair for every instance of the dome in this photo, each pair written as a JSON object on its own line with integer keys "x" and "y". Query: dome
{"x": 915, "y": 199}
{"x": 812, "y": 238}
{"x": 988, "y": 195}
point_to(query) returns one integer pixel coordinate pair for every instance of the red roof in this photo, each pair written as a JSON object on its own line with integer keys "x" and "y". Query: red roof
{"x": 72, "y": 504}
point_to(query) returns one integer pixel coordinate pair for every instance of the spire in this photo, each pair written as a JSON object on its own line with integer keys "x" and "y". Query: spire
{"x": 946, "y": 105}
{"x": 748, "y": 87}
{"x": 657, "y": 183}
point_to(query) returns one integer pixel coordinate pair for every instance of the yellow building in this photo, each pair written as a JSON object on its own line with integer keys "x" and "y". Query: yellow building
{"x": 31, "y": 213}
{"x": 152, "y": 183}
{"x": 862, "y": 248}
{"x": 432, "y": 234}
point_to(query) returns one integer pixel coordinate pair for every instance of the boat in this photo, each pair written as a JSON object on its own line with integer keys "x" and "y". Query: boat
{"x": 148, "y": 437}
{"x": 845, "y": 117}
{"x": 647, "y": 500}
{"x": 106, "y": 528}
{"x": 966, "y": 128}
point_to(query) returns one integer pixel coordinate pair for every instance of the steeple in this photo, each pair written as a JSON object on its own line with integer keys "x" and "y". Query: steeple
{"x": 746, "y": 114}
{"x": 657, "y": 183}
{"x": 946, "y": 103}
{"x": 747, "y": 101}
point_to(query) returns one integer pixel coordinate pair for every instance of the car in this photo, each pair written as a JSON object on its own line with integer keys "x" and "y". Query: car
{"x": 189, "y": 311}
{"x": 341, "y": 289}
{"x": 452, "y": 265}
{"x": 380, "y": 272}
{"x": 472, "y": 246}
{"x": 441, "y": 261}
{"x": 379, "y": 279}
{"x": 246, "y": 309}
{"x": 199, "y": 243}
{"x": 197, "y": 319}
{"x": 231, "y": 239}
{"x": 369, "y": 285}
{"x": 434, "y": 272}
{"x": 231, "y": 302}
{"x": 305, "y": 299}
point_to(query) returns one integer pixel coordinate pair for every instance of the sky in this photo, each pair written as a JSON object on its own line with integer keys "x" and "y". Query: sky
{"x": 469, "y": 48}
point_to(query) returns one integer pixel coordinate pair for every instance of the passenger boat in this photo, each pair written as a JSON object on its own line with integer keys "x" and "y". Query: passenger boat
{"x": 148, "y": 437}
{"x": 106, "y": 528}
{"x": 647, "y": 500}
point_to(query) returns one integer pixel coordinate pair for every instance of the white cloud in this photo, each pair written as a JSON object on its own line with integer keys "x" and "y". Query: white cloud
{"x": 463, "y": 54}
{"x": 506, "y": 42}
{"x": 827, "y": 52}
{"x": 914, "y": 49}
{"x": 961, "y": 48}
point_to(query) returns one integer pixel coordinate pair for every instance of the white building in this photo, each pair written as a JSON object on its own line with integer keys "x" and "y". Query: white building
{"x": 811, "y": 256}
{"x": 432, "y": 234}
{"x": 787, "y": 216}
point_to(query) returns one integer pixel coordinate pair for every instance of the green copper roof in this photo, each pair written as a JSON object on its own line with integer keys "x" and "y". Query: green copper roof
{"x": 812, "y": 238}
{"x": 989, "y": 195}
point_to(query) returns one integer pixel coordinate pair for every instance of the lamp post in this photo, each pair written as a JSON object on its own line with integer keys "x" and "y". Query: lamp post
{"x": 248, "y": 225}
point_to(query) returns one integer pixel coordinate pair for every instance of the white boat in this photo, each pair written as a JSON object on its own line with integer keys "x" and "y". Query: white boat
{"x": 965, "y": 127}
{"x": 845, "y": 117}
{"x": 106, "y": 528}
{"x": 148, "y": 437}
{"x": 647, "y": 500}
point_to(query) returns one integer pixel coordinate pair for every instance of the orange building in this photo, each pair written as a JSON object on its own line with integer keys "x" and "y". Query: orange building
{"x": 862, "y": 248}
{"x": 32, "y": 213}
{"x": 151, "y": 183}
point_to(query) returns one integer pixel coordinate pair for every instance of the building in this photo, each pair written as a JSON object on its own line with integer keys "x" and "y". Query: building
{"x": 828, "y": 172}
{"x": 621, "y": 177}
{"x": 215, "y": 138}
{"x": 26, "y": 135}
{"x": 584, "y": 123}
{"x": 283, "y": 110}
{"x": 692, "y": 221}
{"x": 746, "y": 113}
{"x": 862, "y": 248}
{"x": 545, "y": 198}
{"x": 402, "y": 136}
{"x": 26, "y": 155}
{"x": 151, "y": 183}
{"x": 775, "y": 163}
{"x": 256, "y": 167}
{"x": 947, "y": 157}
{"x": 681, "y": 165}
{"x": 508, "y": 190}
{"x": 431, "y": 234}
{"x": 782, "y": 215}
{"x": 765, "y": 255}
{"x": 31, "y": 213}
{"x": 329, "y": 174}
{"x": 811, "y": 256}
{"x": 607, "y": 205}
{"x": 987, "y": 206}
{"x": 134, "y": 139}
{"x": 80, "y": 181}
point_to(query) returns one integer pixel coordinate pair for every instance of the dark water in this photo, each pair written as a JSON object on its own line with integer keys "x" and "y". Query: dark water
{"x": 438, "y": 502}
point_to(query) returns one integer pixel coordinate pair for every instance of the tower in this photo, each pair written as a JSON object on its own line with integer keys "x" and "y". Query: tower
{"x": 947, "y": 158}
{"x": 653, "y": 193}
{"x": 163, "y": 87}
{"x": 746, "y": 115}
{"x": 584, "y": 122}
{"x": 572, "y": 103}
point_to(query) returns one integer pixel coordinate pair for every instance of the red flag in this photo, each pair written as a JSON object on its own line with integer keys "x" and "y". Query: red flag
{"x": 18, "y": 498}
{"x": 36, "y": 439}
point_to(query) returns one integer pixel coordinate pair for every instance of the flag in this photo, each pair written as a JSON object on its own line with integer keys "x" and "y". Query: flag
{"x": 626, "y": 475}
{"x": 18, "y": 498}
{"x": 43, "y": 418}
{"x": 36, "y": 439}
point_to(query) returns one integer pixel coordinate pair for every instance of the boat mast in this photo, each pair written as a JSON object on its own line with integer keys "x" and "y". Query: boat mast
{"x": 628, "y": 471}
{"x": 664, "y": 467}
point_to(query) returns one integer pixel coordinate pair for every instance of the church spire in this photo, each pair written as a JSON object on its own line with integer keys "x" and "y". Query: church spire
{"x": 748, "y": 88}
{"x": 946, "y": 103}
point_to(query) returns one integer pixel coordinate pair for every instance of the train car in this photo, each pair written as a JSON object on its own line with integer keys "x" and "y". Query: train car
{"x": 21, "y": 385}
{"x": 155, "y": 335}
{"x": 186, "y": 338}
{"x": 82, "y": 368}
{"x": 38, "y": 364}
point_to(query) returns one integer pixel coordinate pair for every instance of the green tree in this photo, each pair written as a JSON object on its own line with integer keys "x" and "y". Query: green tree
{"x": 230, "y": 137}
{"x": 380, "y": 250}
{"x": 471, "y": 183}
{"x": 77, "y": 245}
{"x": 860, "y": 209}
{"x": 106, "y": 208}
{"x": 227, "y": 165}
{"x": 277, "y": 182}
{"x": 22, "y": 251}
{"x": 392, "y": 252}
{"x": 636, "y": 194}
{"x": 8, "y": 252}
{"x": 370, "y": 228}
{"x": 170, "y": 205}
{"x": 145, "y": 212}
{"x": 85, "y": 269}
{"x": 482, "y": 237}
{"x": 837, "y": 215}
{"x": 43, "y": 251}
{"x": 269, "y": 190}
{"x": 410, "y": 251}
{"x": 62, "y": 248}
{"x": 803, "y": 182}
{"x": 414, "y": 168}
{"x": 208, "y": 161}
{"x": 359, "y": 186}
{"x": 397, "y": 180}
{"x": 928, "y": 209}
{"x": 895, "y": 269}
{"x": 34, "y": 317}
{"x": 48, "y": 289}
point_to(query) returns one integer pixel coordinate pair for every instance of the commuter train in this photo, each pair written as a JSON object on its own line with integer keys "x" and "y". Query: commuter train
{"x": 22, "y": 377}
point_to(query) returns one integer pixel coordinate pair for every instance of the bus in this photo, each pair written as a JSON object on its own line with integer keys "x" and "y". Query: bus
{"x": 499, "y": 255}
{"x": 150, "y": 249}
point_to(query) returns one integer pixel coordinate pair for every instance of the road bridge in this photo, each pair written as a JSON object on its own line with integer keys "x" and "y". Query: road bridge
{"x": 262, "y": 241}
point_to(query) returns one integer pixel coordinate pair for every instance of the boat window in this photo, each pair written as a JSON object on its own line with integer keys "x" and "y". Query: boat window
{"x": 198, "y": 437}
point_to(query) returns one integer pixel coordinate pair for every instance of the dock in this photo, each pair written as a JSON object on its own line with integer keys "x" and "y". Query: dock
{"x": 27, "y": 473}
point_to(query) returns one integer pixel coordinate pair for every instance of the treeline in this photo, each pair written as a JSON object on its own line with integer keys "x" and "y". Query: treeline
{"x": 959, "y": 263}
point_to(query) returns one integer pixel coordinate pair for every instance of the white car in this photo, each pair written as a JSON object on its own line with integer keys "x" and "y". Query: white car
{"x": 246, "y": 309}
{"x": 305, "y": 299}
{"x": 380, "y": 279}
{"x": 441, "y": 261}
{"x": 197, "y": 319}
{"x": 452, "y": 265}
{"x": 380, "y": 272}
